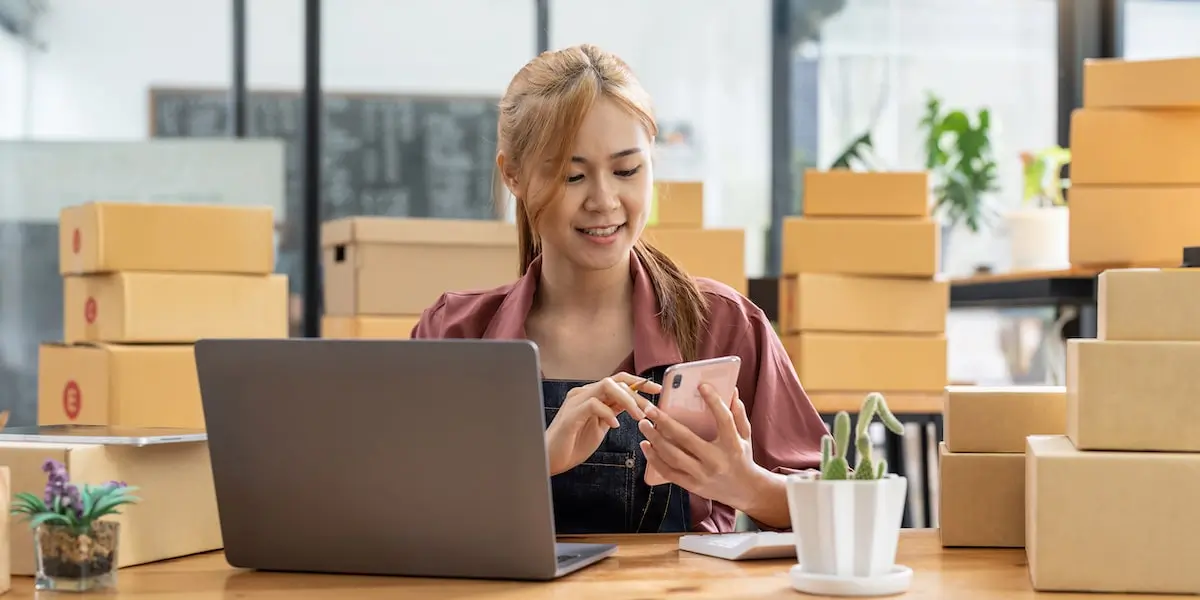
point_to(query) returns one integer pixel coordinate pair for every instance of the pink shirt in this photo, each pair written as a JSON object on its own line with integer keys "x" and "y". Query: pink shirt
{"x": 785, "y": 428}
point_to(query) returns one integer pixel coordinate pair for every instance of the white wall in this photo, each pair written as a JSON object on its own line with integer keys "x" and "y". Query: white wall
{"x": 102, "y": 58}
{"x": 12, "y": 87}
{"x": 1161, "y": 29}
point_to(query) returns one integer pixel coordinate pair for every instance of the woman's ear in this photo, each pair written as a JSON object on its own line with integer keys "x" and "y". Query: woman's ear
{"x": 508, "y": 172}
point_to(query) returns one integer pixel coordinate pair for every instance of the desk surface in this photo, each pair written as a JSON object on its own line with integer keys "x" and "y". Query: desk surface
{"x": 1025, "y": 275}
{"x": 646, "y": 567}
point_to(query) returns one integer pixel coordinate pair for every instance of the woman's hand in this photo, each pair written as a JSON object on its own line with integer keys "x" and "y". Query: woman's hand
{"x": 722, "y": 470}
{"x": 586, "y": 415}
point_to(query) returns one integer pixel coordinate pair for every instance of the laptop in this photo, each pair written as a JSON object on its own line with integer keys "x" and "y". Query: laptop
{"x": 383, "y": 457}
{"x": 101, "y": 434}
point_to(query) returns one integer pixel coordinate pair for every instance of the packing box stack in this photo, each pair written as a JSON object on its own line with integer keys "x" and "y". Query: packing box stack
{"x": 981, "y": 461}
{"x": 861, "y": 305}
{"x": 142, "y": 283}
{"x": 676, "y": 227}
{"x": 1110, "y": 505}
{"x": 1135, "y": 143}
{"x": 381, "y": 273}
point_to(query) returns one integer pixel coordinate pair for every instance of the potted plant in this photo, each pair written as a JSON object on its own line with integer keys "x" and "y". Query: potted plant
{"x": 75, "y": 549}
{"x": 961, "y": 164}
{"x": 847, "y": 521}
{"x": 1038, "y": 231}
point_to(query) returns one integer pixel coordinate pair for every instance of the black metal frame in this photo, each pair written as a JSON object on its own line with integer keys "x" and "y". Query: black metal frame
{"x": 313, "y": 109}
{"x": 237, "y": 90}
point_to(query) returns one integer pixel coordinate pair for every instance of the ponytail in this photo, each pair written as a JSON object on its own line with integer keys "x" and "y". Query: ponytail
{"x": 683, "y": 308}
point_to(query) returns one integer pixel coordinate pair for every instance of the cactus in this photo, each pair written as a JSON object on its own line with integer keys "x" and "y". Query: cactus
{"x": 834, "y": 448}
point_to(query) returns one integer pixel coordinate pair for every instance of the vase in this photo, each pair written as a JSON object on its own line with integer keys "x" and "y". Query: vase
{"x": 1039, "y": 238}
{"x": 73, "y": 561}
{"x": 846, "y": 529}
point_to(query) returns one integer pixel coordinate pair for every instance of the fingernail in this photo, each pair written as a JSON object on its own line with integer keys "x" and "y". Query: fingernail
{"x": 652, "y": 411}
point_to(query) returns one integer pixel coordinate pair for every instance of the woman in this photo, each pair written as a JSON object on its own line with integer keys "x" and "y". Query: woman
{"x": 608, "y": 311}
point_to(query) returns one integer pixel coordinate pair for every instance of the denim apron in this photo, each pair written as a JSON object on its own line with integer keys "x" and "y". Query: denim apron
{"x": 607, "y": 493}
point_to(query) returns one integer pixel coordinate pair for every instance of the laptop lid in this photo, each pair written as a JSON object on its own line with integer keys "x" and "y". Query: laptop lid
{"x": 101, "y": 434}
{"x": 395, "y": 457}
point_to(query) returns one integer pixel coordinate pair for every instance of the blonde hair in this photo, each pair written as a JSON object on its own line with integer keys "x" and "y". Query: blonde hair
{"x": 540, "y": 116}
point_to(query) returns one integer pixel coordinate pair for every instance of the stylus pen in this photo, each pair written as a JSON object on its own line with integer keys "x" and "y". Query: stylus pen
{"x": 637, "y": 385}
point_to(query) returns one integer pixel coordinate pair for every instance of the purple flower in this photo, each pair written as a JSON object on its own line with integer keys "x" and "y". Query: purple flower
{"x": 57, "y": 482}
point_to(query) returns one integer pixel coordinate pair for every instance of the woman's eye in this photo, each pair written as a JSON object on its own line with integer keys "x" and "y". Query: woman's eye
{"x": 574, "y": 178}
{"x": 629, "y": 173}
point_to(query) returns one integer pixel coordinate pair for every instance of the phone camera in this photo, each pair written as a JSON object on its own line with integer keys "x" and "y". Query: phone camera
{"x": 675, "y": 383}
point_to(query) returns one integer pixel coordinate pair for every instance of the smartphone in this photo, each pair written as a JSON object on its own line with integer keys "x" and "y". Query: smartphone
{"x": 680, "y": 397}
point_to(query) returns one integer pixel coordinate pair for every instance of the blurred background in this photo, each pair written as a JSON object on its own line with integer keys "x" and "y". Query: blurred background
{"x": 749, "y": 94}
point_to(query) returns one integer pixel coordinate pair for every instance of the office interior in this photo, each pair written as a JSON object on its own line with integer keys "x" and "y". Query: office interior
{"x": 207, "y": 103}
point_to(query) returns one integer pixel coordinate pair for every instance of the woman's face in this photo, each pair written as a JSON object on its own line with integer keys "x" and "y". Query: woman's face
{"x": 606, "y": 195}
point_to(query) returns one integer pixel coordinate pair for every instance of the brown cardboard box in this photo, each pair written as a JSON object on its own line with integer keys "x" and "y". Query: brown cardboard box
{"x": 861, "y": 246}
{"x": 679, "y": 204}
{"x": 855, "y": 362}
{"x": 1148, "y": 305}
{"x": 104, "y": 237}
{"x": 923, "y": 403}
{"x": 1110, "y": 521}
{"x": 173, "y": 307}
{"x": 1133, "y": 395}
{"x": 981, "y": 499}
{"x": 133, "y": 385}
{"x": 853, "y": 303}
{"x": 997, "y": 419}
{"x": 1162, "y": 83}
{"x": 1141, "y": 226}
{"x": 1157, "y": 147}
{"x": 368, "y": 327}
{"x": 718, "y": 254}
{"x": 845, "y": 193}
{"x": 6, "y": 494}
{"x": 400, "y": 266}
{"x": 177, "y": 515}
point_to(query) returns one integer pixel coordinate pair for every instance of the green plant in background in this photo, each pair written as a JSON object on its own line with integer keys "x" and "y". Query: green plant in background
{"x": 860, "y": 152}
{"x": 834, "y": 465}
{"x": 1044, "y": 183}
{"x": 958, "y": 155}
{"x": 65, "y": 504}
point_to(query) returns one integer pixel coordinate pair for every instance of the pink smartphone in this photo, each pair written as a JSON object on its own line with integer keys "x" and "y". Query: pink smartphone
{"x": 680, "y": 397}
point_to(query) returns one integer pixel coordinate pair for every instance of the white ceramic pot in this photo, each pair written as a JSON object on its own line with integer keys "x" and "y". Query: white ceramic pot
{"x": 846, "y": 528}
{"x": 1039, "y": 238}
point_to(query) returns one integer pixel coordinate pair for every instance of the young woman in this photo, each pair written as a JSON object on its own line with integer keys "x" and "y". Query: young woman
{"x": 608, "y": 311}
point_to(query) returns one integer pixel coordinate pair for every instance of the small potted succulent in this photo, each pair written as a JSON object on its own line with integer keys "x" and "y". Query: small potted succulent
{"x": 847, "y": 521}
{"x": 76, "y": 550}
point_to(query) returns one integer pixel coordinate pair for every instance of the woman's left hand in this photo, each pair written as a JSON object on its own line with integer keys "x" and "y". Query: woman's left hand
{"x": 722, "y": 470}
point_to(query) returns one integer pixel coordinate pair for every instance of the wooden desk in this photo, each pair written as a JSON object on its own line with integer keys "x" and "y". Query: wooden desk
{"x": 646, "y": 567}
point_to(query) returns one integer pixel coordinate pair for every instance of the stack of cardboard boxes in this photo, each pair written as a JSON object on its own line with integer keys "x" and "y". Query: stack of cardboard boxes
{"x": 676, "y": 227}
{"x": 861, "y": 305}
{"x": 982, "y": 460}
{"x": 142, "y": 283}
{"x": 1135, "y": 188}
{"x": 381, "y": 273}
{"x": 1112, "y": 504}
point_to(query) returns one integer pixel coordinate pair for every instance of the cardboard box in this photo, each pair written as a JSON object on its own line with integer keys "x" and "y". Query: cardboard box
{"x": 859, "y": 362}
{"x": 853, "y": 303}
{"x": 400, "y": 266}
{"x": 387, "y": 328}
{"x": 1134, "y": 147}
{"x": 1121, "y": 522}
{"x": 997, "y": 419}
{"x": 1142, "y": 226}
{"x": 135, "y": 385}
{"x": 1133, "y": 395}
{"x": 1148, "y": 305}
{"x": 861, "y": 246}
{"x": 981, "y": 499}
{"x": 678, "y": 204}
{"x": 177, "y": 515}
{"x": 845, "y": 193}
{"x": 923, "y": 403}
{"x": 104, "y": 237}
{"x": 157, "y": 308}
{"x": 1161, "y": 83}
{"x": 718, "y": 254}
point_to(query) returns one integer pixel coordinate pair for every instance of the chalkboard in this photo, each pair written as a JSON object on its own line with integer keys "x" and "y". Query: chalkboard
{"x": 383, "y": 154}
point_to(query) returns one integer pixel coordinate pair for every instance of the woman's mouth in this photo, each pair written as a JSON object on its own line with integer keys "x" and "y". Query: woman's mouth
{"x": 600, "y": 231}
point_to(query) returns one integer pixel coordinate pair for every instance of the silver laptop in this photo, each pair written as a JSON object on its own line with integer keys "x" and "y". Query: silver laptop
{"x": 380, "y": 457}
{"x": 101, "y": 434}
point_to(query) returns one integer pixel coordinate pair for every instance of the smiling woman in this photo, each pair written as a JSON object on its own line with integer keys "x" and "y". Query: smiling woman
{"x": 610, "y": 313}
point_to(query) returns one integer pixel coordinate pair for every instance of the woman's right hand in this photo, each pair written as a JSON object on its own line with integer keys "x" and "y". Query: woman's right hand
{"x": 586, "y": 415}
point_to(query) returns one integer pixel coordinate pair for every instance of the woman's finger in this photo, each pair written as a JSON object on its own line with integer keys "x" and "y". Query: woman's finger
{"x": 642, "y": 384}
{"x": 669, "y": 453}
{"x": 597, "y": 408}
{"x": 654, "y": 459}
{"x": 618, "y": 395}
{"x": 726, "y": 427}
